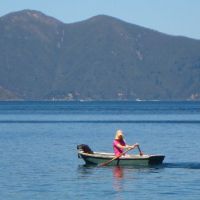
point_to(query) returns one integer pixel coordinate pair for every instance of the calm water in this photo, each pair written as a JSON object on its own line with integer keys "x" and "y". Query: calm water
{"x": 38, "y": 150}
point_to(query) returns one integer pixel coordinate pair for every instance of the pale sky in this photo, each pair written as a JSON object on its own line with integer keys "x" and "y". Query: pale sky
{"x": 175, "y": 17}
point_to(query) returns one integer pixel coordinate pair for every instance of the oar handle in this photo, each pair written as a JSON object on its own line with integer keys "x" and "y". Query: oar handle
{"x": 140, "y": 150}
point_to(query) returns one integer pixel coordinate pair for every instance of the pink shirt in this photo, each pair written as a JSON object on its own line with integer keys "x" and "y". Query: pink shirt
{"x": 118, "y": 150}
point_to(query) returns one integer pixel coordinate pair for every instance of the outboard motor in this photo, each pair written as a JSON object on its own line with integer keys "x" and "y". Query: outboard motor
{"x": 84, "y": 148}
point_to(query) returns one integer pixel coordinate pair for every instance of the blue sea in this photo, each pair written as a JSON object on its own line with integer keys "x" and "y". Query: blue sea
{"x": 38, "y": 158}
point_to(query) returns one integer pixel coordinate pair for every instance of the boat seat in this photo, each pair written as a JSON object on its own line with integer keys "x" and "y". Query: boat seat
{"x": 85, "y": 148}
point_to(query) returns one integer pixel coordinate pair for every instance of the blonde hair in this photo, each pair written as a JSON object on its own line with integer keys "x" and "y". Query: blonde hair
{"x": 119, "y": 134}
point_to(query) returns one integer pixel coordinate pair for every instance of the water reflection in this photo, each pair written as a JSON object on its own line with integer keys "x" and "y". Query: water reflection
{"x": 118, "y": 186}
{"x": 120, "y": 180}
{"x": 118, "y": 172}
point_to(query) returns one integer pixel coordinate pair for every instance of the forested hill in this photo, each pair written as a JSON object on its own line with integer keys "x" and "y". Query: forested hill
{"x": 101, "y": 58}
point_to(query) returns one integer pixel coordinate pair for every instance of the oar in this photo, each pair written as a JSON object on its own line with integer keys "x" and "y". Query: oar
{"x": 140, "y": 150}
{"x": 116, "y": 157}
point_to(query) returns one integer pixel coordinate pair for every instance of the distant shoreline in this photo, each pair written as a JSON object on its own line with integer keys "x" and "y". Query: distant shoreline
{"x": 62, "y": 100}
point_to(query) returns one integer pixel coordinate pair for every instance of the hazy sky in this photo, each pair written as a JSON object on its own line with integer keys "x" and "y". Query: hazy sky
{"x": 176, "y": 17}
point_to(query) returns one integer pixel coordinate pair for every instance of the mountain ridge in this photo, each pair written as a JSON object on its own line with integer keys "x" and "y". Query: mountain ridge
{"x": 101, "y": 58}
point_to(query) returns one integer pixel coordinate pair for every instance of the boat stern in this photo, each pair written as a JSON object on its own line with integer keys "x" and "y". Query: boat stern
{"x": 156, "y": 159}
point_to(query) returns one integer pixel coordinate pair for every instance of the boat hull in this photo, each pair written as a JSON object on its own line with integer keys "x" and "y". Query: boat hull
{"x": 133, "y": 160}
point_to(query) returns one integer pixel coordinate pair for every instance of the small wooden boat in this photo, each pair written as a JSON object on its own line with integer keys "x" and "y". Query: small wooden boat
{"x": 97, "y": 158}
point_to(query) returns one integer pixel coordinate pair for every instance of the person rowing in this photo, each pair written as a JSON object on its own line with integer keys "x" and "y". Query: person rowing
{"x": 119, "y": 144}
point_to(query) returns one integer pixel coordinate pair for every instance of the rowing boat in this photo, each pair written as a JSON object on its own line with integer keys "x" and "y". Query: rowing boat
{"x": 96, "y": 158}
